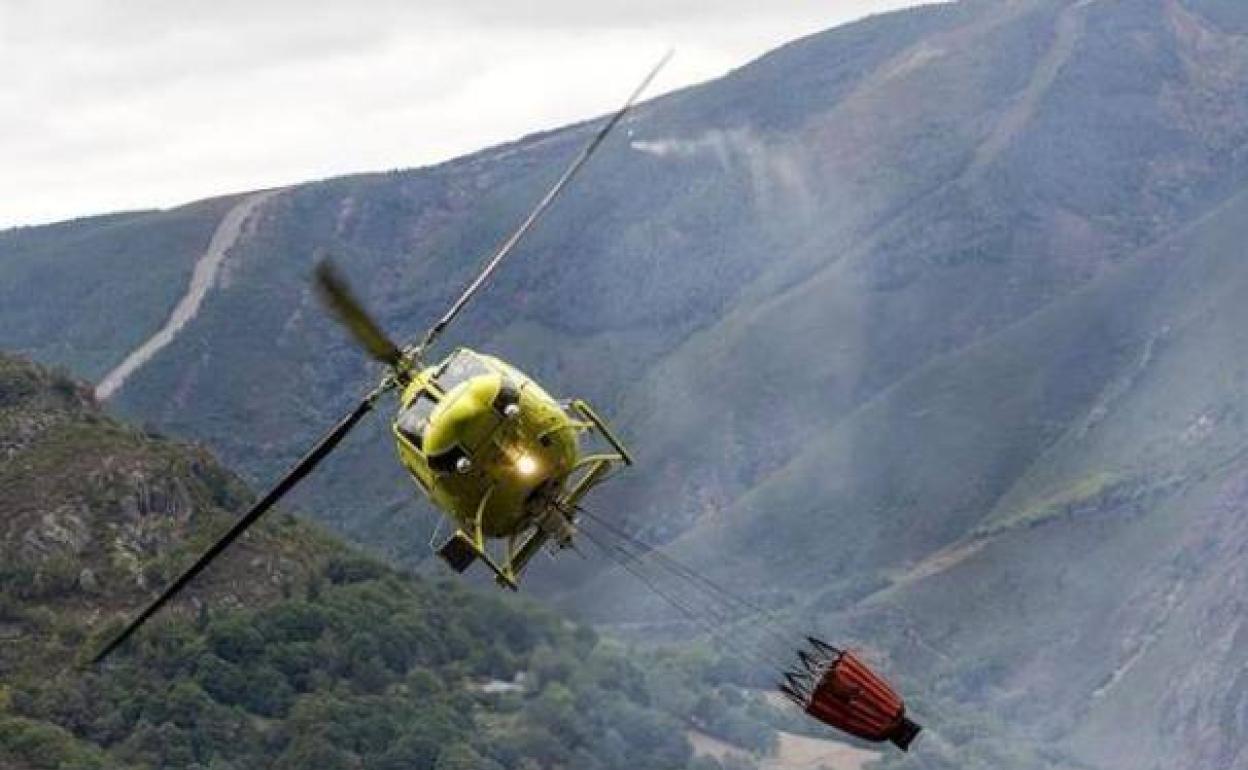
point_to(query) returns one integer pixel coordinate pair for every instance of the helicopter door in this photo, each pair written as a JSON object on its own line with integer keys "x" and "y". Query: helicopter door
{"x": 415, "y": 418}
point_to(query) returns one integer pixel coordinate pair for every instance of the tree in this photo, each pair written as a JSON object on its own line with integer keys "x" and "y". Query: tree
{"x": 460, "y": 756}
{"x": 308, "y": 752}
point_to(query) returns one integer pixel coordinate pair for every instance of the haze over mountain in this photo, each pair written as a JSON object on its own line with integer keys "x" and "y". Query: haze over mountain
{"x": 927, "y": 328}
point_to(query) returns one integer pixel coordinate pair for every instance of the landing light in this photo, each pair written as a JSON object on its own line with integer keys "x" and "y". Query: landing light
{"x": 526, "y": 465}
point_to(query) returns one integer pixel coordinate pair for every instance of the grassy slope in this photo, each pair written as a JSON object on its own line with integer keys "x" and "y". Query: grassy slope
{"x": 104, "y": 284}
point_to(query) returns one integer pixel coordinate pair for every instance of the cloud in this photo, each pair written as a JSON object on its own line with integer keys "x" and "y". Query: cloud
{"x": 112, "y": 105}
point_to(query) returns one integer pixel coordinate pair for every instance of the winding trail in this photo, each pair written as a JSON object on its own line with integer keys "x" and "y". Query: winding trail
{"x": 202, "y": 279}
{"x": 1070, "y": 28}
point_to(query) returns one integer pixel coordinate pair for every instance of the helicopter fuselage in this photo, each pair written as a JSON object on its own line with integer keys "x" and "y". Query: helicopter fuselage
{"x": 485, "y": 443}
{"x": 501, "y": 457}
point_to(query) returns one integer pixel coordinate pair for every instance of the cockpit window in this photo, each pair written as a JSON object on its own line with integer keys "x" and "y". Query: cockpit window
{"x": 458, "y": 368}
{"x": 415, "y": 418}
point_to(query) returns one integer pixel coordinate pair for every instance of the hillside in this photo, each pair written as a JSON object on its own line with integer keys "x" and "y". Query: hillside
{"x": 924, "y": 329}
{"x": 294, "y": 651}
{"x": 1084, "y": 473}
{"x": 923, "y": 180}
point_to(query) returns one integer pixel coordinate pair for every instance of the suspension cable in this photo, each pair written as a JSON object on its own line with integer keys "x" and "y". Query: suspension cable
{"x": 693, "y": 577}
{"x": 625, "y": 562}
{"x": 715, "y": 617}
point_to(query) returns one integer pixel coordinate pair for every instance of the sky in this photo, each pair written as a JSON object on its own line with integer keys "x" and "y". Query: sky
{"x": 108, "y": 105}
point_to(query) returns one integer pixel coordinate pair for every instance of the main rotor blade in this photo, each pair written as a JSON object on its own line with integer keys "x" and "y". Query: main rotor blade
{"x": 436, "y": 330}
{"x": 337, "y": 295}
{"x": 292, "y": 477}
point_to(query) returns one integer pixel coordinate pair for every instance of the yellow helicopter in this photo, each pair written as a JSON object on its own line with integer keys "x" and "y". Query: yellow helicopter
{"x": 486, "y": 444}
{"x": 500, "y": 456}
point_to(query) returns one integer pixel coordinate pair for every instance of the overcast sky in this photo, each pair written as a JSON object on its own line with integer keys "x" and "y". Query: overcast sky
{"x": 110, "y": 105}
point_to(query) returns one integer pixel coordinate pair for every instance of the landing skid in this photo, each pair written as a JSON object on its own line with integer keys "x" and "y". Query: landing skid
{"x": 460, "y": 552}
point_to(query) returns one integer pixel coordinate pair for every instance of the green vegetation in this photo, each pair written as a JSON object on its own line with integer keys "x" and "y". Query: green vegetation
{"x": 367, "y": 668}
{"x": 293, "y": 651}
{"x": 1084, "y": 494}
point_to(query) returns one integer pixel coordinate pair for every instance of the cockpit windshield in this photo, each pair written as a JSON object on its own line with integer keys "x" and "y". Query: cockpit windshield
{"x": 415, "y": 418}
{"x": 461, "y": 366}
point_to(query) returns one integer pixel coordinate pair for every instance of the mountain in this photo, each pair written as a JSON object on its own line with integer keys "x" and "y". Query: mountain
{"x": 292, "y": 650}
{"x": 923, "y": 329}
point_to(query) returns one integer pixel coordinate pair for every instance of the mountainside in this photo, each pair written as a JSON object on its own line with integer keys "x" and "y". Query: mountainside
{"x": 292, "y": 651}
{"x": 1086, "y": 473}
{"x": 925, "y": 329}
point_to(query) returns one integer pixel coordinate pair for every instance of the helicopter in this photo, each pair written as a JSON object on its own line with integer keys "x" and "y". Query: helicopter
{"x": 487, "y": 445}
